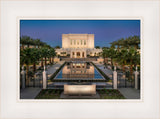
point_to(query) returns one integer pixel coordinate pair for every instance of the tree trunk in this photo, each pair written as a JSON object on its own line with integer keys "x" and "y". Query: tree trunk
{"x": 53, "y": 60}
{"x": 123, "y": 68}
{"x": 111, "y": 62}
{"x": 131, "y": 69}
{"x": 42, "y": 62}
{"x": 106, "y": 60}
{"x": 50, "y": 60}
{"x": 23, "y": 46}
{"x": 118, "y": 48}
{"x": 45, "y": 61}
{"x": 34, "y": 67}
{"x": 27, "y": 78}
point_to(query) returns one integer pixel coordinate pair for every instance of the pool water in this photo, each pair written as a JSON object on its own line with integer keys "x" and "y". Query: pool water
{"x": 79, "y": 70}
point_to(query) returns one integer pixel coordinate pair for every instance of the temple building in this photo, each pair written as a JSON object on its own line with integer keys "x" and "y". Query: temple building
{"x": 78, "y": 46}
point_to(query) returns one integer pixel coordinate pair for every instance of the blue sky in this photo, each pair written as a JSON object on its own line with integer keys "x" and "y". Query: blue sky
{"x": 106, "y": 31}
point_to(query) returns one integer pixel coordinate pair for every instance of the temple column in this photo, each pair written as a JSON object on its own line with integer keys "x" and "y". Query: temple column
{"x": 75, "y": 54}
{"x": 85, "y": 54}
{"x": 81, "y": 54}
{"x": 71, "y": 55}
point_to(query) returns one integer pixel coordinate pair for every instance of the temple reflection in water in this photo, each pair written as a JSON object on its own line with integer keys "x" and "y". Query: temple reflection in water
{"x": 78, "y": 70}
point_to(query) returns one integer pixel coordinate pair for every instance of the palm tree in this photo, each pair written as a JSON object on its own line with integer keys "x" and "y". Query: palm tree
{"x": 35, "y": 57}
{"x": 113, "y": 44}
{"x": 133, "y": 58}
{"x": 25, "y": 59}
{"x": 121, "y": 42}
{"x": 37, "y": 42}
{"x": 105, "y": 54}
{"x": 112, "y": 54}
{"x": 52, "y": 54}
{"x": 121, "y": 58}
{"x": 132, "y": 41}
{"x": 57, "y": 47}
{"x": 136, "y": 42}
{"x": 44, "y": 54}
{"x": 29, "y": 41}
{"x": 23, "y": 41}
{"x": 97, "y": 47}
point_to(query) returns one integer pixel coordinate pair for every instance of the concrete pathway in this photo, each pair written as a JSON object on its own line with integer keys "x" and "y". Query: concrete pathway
{"x": 130, "y": 93}
{"x": 51, "y": 70}
{"x": 106, "y": 71}
{"x": 29, "y": 93}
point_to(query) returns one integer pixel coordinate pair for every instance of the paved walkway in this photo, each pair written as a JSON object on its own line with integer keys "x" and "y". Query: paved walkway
{"x": 53, "y": 68}
{"x": 106, "y": 71}
{"x": 29, "y": 93}
{"x": 130, "y": 93}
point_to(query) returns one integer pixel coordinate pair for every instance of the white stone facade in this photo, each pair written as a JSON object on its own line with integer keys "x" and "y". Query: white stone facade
{"x": 78, "y": 46}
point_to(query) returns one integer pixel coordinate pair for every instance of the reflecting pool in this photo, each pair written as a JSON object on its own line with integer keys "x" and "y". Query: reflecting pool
{"x": 79, "y": 70}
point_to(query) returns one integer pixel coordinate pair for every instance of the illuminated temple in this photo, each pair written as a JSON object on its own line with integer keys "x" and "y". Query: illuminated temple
{"x": 78, "y": 46}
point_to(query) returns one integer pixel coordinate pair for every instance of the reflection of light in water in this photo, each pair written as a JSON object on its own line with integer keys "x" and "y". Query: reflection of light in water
{"x": 79, "y": 70}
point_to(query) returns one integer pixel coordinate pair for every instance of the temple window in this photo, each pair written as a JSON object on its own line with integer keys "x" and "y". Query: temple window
{"x": 84, "y": 42}
{"x": 74, "y": 42}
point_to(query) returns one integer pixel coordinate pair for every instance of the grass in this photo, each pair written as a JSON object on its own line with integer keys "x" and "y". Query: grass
{"x": 104, "y": 94}
{"x": 110, "y": 94}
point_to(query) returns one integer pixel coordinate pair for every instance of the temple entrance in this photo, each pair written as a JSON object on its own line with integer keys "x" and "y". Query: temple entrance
{"x": 78, "y": 55}
{"x": 83, "y": 54}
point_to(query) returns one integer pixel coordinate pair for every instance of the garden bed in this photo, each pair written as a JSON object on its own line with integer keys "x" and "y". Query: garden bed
{"x": 49, "y": 94}
{"x": 110, "y": 94}
{"x": 104, "y": 94}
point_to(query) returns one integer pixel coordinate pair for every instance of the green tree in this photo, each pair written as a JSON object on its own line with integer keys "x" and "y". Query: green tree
{"x": 57, "y": 47}
{"x": 35, "y": 57}
{"x": 52, "y": 55}
{"x": 121, "y": 58}
{"x": 112, "y": 54}
{"x": 44, "y": 54}
{"x": 25, "y": 59}
{"x": 105, "y": 54}
{"x": 97, "y": 47}
{"x": 133, "y": 58}
{"x": 37, "y": 42}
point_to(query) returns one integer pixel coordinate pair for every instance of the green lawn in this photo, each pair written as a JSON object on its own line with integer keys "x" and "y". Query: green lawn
{"x": 104, "y": 94}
